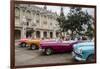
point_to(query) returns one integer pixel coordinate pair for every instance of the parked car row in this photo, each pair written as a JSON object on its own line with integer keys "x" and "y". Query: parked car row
{"x": 33, "y": 43}
{"x": 81, "y": 50}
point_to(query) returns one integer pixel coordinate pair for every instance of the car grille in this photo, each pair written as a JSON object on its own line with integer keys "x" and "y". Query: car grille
{"x": 79, "y": 55}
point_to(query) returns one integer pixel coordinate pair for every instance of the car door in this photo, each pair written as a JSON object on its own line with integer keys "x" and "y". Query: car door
{"x": 58, "y": 47}
{"x": 66, "y": 47}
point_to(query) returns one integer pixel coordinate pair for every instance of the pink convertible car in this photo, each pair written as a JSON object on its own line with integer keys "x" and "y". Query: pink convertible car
{"x": 57, "y": 46}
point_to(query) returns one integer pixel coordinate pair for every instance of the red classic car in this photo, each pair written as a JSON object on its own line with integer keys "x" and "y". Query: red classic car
{"x": 22, "y": 42}
{"x": 57, "y": 46}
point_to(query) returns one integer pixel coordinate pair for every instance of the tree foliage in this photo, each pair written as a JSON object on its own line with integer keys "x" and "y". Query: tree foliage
{"x": 75, "y": 19}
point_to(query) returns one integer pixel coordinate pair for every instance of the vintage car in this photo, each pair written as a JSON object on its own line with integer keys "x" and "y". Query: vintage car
{"x": 84, "y": 51}
{"x": 35, "y": 43}
{"x": 56, "y": 47}
{"x": 23, "y": 42}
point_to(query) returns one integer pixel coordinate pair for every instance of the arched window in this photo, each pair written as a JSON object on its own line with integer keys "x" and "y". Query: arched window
{"x": 17, "y": 11}
{"x": 37, "y": 34}
{"x": 17, "y": 34}
{"x": 57, "y": 34}
{"x": 29, "y": 33}
{"x": 28, "y": 14}
{"x": 45, "y": 34}
{"x": 51, "y": 35}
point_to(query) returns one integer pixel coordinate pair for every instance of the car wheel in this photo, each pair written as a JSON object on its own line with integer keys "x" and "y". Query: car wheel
{"x": 48, "y": 51}
{"x": 33, "y": 47}
{"x": 91, "y": 58}
{"x": 23, "y": 44}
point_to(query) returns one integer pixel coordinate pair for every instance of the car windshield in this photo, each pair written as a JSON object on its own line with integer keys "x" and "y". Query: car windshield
{"x": 70, "y": 41}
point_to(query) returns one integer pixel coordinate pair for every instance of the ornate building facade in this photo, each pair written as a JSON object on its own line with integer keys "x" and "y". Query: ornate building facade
{"x": 33, "y": 21}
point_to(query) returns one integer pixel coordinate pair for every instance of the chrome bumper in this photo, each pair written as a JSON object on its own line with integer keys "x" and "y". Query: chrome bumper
{"x": 28, "y": 46}
{"x": 77, "y": 57}
{"x": 41, "y": 50}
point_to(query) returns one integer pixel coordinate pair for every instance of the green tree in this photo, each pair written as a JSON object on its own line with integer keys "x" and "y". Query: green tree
{"x": 75, "y": 19}
{"x": 90, "y": 32}
{"x": 61, "y": 19}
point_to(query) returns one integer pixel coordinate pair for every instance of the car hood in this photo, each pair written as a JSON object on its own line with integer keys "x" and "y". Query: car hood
{"x": 55, "y": 43}
{"x": 33, "y": 40}
{"x": 84, "y": 45}
{"x": 24, "y": 39}
{"x": 85, "y": 48}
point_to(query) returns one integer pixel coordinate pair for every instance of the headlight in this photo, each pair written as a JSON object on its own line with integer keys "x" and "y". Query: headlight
{"x": 74, "y": 46}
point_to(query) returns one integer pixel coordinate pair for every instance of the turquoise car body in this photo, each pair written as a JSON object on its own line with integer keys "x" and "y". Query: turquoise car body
{"x": 81, "y": 51}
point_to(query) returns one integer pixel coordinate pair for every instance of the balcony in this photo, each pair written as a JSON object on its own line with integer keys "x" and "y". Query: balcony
{"x": 18, "y": 25}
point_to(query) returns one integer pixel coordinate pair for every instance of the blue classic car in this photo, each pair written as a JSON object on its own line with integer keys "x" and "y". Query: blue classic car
{"x": 84, "y": 51}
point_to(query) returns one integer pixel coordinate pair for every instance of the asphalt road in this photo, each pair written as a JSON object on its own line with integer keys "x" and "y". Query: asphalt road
{"x": 24, "y": 56}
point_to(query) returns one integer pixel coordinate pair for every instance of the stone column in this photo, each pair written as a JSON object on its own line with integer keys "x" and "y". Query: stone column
{"x": 20, "y": 22}
{"x": 47, "y": 21}
{"x": 34, "y": 23}
{"x": 48, "y": 34}
{"x": 34, "y": 34}
{"x": 40, "y": 19}
{"x": 54, "y": 34}
{"x": 41, "y": 34}
{"x": 23, "y": 22}
{"x": 23, "y": 32}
